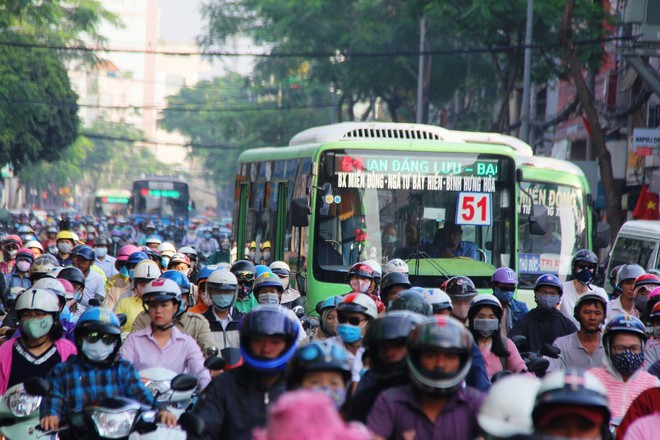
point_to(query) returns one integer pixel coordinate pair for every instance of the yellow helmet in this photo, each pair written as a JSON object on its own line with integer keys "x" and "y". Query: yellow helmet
{"x": 65, "y": 235}
{"x": 265, "y": 244}
{"x": 253, "y": 245}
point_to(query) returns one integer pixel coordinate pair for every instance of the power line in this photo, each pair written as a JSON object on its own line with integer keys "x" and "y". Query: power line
{"x": 319, "y": 54}
{"x": 155, "y": 142}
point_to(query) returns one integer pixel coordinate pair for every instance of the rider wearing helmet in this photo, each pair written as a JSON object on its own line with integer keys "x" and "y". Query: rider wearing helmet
{"x": 166, "y": 249}
{"x": 180, "y": 262}
{"x": 652, "y": 348}
{"x": 145, "y": 271}
{"x": 268, "y": 290}
{"x": 43, "y": 266}
{"x": 439, "y": 300}
{"x": 83, "y": 258}
{"x": 439, "y": 356}
{"x": 268, "y": 342}
{"x": 194, "y": 268}
{"x": 361, "y": 280}
{"x": 397, "y": 265}
{"x": 223, "y": 255}
{"x": 245, "y": 274}
{"x": 625, "y": 282}
{"x": 162, "y": 344}
{"x": 152, "y": 242}
{"x": 504, "y": 283}
{"x": 20, "y": 275}
{"x": 583, "y": 349}
{"x": 95, "y": 373}
{"x": 203, "y": 300}
{"x": 327, "y": 311}
{"x": 290, "y": 296}
{"x": 374, "y": 289}
{"x": 622, "y": 372}
{"x": 10, "y": 246}
{"x": 265, "y": 253}
{"x": 36, "y": 248}
{"x": 119, "y": 283}
{"x": 461, "y": 290}
{"x": 223, "y": 318}
{"x": 323, "y": 367}
{"x": 391, "y": 284}
{"x": 544, "y": 323}
{"x": 484, "y": 322}
{"x": 77, "y": 279}
{"x": 39, "y": 345}
{"x": 583, "y": 270}
{"x": 207, "y": 245}
{"x": 571, "y": 404}
{"x": 63, "y": 290}
{"x": 65, "y": 242}
{"x": 385, "y": 345}
{"x": 412, "y": 300}
{"x": 644, "y": 285}
{"x": 104, "y": 261}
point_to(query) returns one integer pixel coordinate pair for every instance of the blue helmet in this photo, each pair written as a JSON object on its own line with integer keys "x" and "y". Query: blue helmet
{"x": 623, "y": 324}
{"x": 84, "y": 251}
{"x": 268, "y": 320}
{"x": 261, "y": 269}
{"x": 323, "y": 355}
{"x": 179, "y": 278}
{"x": 136, "y": 257}
{"x": 206, "y": 271}
{"x": 103, "y": 321}
{"x": 549, "y": 280}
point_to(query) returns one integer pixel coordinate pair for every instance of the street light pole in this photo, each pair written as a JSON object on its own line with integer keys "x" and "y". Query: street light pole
{"x": 421, "y": 70}
{"x": 527, "y": 74}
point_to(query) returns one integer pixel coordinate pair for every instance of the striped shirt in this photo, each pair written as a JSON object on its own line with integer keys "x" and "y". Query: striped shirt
{"x": 619, "y": 393}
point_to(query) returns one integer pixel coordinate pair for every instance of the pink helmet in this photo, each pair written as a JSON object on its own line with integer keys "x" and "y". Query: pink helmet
{"x": 505, "y": 275}
{"x": 127, "y": 250}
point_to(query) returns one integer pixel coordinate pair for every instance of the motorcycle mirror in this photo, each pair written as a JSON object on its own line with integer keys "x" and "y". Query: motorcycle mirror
{"x": 211, "y": 352}
{"x": 551, "y": 351}
{"x": 36, "y": 386}
{"x": 215, "y": 363}
{"x": 192, "y": 424}
{"x": 94, "y": 302}
{"x": 521, "y": 343}
{"x": 122, "y": 319}
{"x": 299, "y": 311}
{"x": 183, "y": 382}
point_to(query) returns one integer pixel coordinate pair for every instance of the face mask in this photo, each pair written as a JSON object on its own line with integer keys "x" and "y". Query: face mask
{"x": 243, "y": 291}
{"x": 641, "y": 302}
{"x": 12, "y": 254}
{"x": 338, "y": 395}
{"x": 391, "y": 239}
{"x": 547, "y": 302}
{"x": 23, "y": 266}
{"x": 91, "y": 236}
{"x": 360, "y": 286}
{"x": 222, "y": 302}
{"x": 124, "y": 272}
{"x": 116, "y": 239}
{"x": 36, "y": 328}
{"x": 266, "y": 255}
{"x": 207, "y": 236}
{"x": 97, "y": 351}
{"x": 627, "y": 363}
{"x": 131, "y": 273}
{"x": 656, "y": 331}
{"x": 252, "y": 255}
{"x": 584, "y": 276}
{"x": 101, "y": 251}
{"x": 64, "y": 248}
{"x": 486, "y": 327}
{"x": 224, "y": 245}
{"x": 349, "y": 333}
{"x": 165, "y": 261}
{"x": 285, "y": 282}
{"x": 269, "y": 298}
{"x": 52, "y": 250}
{"x": 504, "y": 296}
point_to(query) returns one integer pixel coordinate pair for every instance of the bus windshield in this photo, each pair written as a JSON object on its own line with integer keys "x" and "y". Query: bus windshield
{"x": 566, "y": 230}
{"x": 446, "y": 214}
{"x": 161, "y": 198}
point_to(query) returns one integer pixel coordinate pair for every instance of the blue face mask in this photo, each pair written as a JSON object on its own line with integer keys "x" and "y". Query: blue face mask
{"x": 124, "y": 272}
{"x": 502, "y": 295}
{"x": 207, "y": 236}
{"x": 349, "y": 333}
{"x": 131, "y": 273}
{"x": 390, "y": 239}
{"x": 222, "y": 302}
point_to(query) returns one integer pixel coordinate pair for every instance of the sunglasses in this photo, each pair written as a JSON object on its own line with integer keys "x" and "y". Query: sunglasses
{"x": 245, "y": 276}
{"x": 352, "y": 320}
{"x": 107, "y": 339}
{"x": 312, "y": 352}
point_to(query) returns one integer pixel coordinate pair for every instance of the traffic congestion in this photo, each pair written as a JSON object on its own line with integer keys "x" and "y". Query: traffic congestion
{"x": 112, "y": 328}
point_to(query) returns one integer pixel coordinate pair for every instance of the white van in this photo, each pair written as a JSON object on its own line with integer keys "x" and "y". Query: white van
{"x": 638, "y": 242}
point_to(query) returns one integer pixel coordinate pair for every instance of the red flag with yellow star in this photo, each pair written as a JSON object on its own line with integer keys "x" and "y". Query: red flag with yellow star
{"x": 647, "y": 205}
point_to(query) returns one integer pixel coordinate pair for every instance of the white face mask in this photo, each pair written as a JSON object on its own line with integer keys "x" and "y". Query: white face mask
{"x": 285, "y": 282}
{"x": 269, "y": 298}
{"x": 101, "y": 251}
{"x": 97, "y": 351}
{"x": 23, "y": 266}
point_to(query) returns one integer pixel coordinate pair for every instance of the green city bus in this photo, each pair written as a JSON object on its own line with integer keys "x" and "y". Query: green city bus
{"x": 347, "y": 192}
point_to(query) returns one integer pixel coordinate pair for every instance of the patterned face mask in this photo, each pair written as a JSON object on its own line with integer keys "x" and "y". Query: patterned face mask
{"x": 627, "y": 363}
{"x": 360, "y": 286}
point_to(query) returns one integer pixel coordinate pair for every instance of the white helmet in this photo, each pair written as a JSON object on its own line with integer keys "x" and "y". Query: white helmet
{"x": 507, "y": 410}
{"x": 221, "y": 280}
{"x": 187, "y": 250}
{"x": 153, "y": 239}
{"x": 358, "y": 303}
{"x": 51, "y": 284}
{"x": 38, "y": 299}
{"x": 33, "y": 244}
{"x": 280, "y": 268}
{"x": 146, "y": 270}
{"x": 375, "y": 266}
{"x": 397, "y": 265}
{"x": 166, "y": 249}
{"x": 438, "y": 298}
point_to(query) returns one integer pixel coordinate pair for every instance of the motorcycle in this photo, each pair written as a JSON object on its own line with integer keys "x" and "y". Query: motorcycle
{"x": 309, "y": 323}
{"x": 19, "y": 414}
{"x": 158, "y": 380}
{"x": 120, "y": 417}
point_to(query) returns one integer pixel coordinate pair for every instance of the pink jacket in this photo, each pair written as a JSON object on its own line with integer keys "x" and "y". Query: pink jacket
{"x": 621, "y": 394}
{"x": 514, "y": 362}
{"x": 63, "y": 345}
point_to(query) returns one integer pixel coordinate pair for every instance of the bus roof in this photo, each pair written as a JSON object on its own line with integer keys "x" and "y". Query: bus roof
{"x": 345, "y": 131}
{"x": 112, "y": 193}
{"x": 549, "y": 163}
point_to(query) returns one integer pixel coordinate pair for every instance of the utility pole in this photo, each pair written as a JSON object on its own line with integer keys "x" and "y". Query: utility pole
{"x": 421, "y": 71}
{"x": 527, "y": 73}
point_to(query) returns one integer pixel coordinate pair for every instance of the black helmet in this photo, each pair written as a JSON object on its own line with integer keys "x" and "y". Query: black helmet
{"x": 612, "y": 277}
{"x": 460, "y": 287}
{"x": 102, "y": 240}
{"x": 623, "y": 324}
{"x": 85, "y": 252}
{"x": 439, "y": 333}
{"x": 268, "y": 320}
{"x": 392, "y": 279}
{"x": 549, "y": 280}
{"x": 583, "y": 256}
{"x": 590, "y": 297}
{"x": 73, "y": 275}
{"x": 318, "y": 356}
{"x": 244, "y": 271}
{"x": 395, "y": 326}
{"x": 627, "y": 272}
{"x": 411, "y": 300}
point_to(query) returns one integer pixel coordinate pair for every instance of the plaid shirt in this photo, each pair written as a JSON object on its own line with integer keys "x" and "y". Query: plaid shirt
{"x": 76, "y": 383}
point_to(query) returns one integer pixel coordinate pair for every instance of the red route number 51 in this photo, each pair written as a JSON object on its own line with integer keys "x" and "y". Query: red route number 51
{"x": 474, "y": 209}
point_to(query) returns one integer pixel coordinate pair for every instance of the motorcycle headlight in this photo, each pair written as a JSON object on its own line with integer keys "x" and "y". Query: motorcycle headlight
{"x": 22, "y": 404}
{"x": 114, "y": 424}
{"x": 160, "y": 388}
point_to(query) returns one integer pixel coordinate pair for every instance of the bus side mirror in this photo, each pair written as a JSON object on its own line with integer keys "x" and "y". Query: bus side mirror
{"x": 300, "y": 213}
{"x": 538, "y": 220}
{"x": 602, "y": 236}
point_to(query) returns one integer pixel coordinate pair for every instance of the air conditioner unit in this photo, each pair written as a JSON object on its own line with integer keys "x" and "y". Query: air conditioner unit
{"x": 644, "y": 15}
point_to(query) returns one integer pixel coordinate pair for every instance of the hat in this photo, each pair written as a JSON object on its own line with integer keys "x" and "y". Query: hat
{"x": 307, "y": 415}
{"x": 592, "y": 414}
